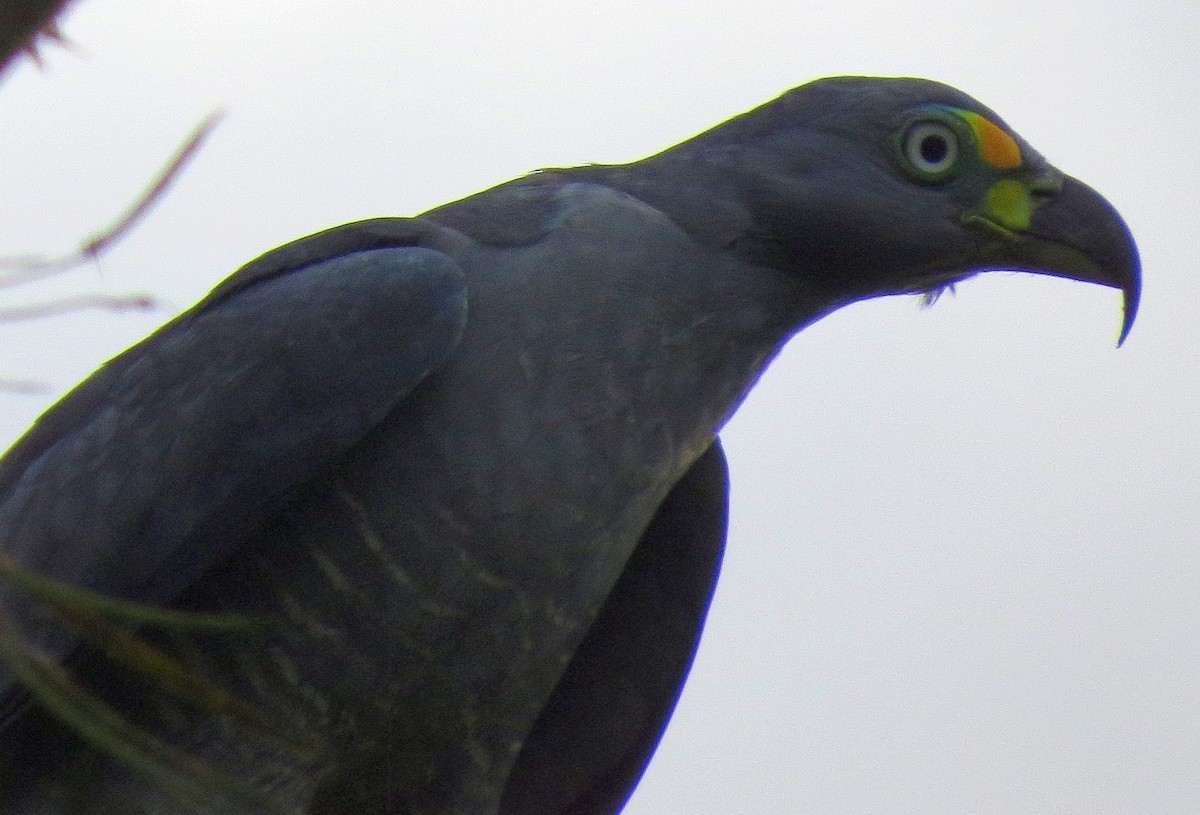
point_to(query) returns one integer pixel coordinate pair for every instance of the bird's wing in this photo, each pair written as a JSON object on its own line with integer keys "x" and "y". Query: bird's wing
{"x": 625, "y": 677}
{"x": 201, "y": 431}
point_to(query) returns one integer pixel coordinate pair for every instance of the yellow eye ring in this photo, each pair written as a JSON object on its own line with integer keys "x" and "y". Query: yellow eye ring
{"x": 931, "y": 148}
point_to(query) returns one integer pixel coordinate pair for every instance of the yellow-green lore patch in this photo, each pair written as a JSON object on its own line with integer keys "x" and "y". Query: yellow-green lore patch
{"x": 1010, "y": 205}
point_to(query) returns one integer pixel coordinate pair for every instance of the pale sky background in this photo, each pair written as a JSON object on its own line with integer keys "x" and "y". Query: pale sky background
{"x": 963, "y": 572}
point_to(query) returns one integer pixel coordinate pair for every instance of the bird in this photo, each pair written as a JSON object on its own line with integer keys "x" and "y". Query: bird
{"x": 423, "y": 515}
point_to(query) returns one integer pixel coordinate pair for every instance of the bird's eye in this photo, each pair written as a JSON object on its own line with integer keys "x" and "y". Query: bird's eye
{"x": 931, "y": 148}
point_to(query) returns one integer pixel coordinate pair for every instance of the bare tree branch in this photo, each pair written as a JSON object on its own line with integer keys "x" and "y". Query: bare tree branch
{"x": 166, "y": 177}
{"x": 78, "y": 302}
{"x": 15, "y": 271}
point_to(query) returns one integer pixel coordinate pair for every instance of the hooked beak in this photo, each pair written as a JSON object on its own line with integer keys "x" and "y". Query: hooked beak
{"x": 1075, "y": 233}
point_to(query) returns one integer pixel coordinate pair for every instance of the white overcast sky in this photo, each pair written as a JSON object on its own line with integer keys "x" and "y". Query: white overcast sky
{"x": 963, "y": 571}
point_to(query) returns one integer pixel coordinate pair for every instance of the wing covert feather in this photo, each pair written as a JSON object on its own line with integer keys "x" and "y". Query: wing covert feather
{"x": 199, "y": 432}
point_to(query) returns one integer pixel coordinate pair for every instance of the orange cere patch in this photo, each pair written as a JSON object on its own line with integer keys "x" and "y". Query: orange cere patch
{"x": 995, "y": 145}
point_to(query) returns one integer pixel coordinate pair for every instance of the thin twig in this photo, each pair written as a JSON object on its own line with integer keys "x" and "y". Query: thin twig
{"x": 24, "y": 387}
{"x": 17, "y": 270}
{"x": 78, "y": 302}
{"x": 166, "y": 177}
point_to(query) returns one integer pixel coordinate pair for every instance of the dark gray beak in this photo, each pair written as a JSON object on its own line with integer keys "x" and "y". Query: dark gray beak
{"x": 1077, "y": 234}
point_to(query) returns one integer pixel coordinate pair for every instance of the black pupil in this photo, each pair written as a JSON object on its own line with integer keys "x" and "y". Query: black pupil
{"x": 934, "y": 149}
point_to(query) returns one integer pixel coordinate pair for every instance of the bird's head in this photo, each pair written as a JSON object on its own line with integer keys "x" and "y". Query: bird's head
{"x": 890, "y": 186}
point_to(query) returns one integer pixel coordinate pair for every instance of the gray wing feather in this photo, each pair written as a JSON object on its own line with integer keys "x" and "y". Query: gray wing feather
{"x": 200, "y": 432}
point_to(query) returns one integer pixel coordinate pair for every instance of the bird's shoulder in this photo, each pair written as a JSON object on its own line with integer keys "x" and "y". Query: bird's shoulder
{"x": 327, "y": 244}
{"x": 117, "y": 379}
{"x": 599, "y": 199}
